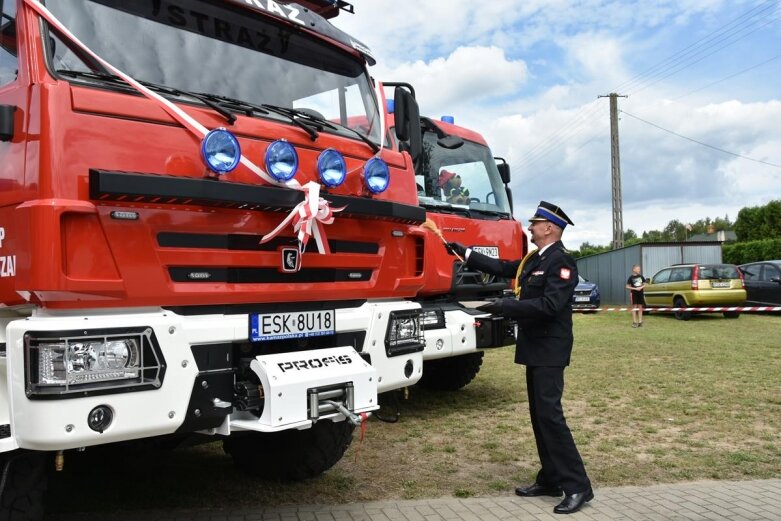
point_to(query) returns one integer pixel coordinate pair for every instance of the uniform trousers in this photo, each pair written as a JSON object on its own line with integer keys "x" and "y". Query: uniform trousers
{"x": 562, "y": 465}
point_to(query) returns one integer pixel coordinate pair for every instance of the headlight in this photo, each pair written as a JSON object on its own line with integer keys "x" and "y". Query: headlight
{"x": 405, "y": 334}
{"x": 331, "y": 167}
{"x": 61, "y": 365}
{"x": 221, "y": 151}
{"x": 376, "y": 175}
{"x": 433, "y": 319}
{"x": 281, "y": 160}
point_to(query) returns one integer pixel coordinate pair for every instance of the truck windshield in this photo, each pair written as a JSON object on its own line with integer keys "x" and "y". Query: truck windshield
{"x": 222, "y": 50}
{"x": 465, "y": 177}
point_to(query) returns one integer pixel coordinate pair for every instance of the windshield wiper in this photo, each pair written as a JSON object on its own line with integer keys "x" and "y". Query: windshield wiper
{"x": 305, "y": 114}
{"x": 445, "y": 208}
{"x": 490, "y": 212}
{"x": 116, "y": 80}
{"x": 290, "y": 114}
{"x": 229, "y": 116}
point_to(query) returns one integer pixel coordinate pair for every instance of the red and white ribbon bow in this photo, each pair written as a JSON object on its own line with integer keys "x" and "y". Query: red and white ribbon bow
{"x": 308, "y": 218}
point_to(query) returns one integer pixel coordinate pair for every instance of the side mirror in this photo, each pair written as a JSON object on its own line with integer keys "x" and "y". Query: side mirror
{"x": 776, "y": 279}
{"x": 7, "y": 122}
{"x": 504, "y": 169}
{"x": 407, "y": 121}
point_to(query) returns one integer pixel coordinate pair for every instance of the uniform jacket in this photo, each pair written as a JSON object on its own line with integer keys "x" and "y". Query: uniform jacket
{"x": 544, "y": 309}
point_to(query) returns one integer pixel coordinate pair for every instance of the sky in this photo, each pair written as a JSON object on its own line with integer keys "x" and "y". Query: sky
{"x": 527, "y": 76}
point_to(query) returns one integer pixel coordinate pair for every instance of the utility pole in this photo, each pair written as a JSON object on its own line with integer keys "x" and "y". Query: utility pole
{"x": 615, "y": 166}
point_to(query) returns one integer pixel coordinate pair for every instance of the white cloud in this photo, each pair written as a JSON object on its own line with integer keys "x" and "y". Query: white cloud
{"x": 468, "y": 76}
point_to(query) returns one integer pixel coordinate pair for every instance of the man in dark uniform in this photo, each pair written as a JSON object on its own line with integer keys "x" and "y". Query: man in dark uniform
{"x": 545, "y": 281}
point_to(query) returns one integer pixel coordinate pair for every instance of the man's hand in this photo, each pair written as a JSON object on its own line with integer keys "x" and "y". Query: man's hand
{"x": 494, "y": 307}
{"x": 456, "y": 248}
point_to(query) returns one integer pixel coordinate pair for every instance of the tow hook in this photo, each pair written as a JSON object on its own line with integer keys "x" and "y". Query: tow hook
{"x": 351, "y": 416}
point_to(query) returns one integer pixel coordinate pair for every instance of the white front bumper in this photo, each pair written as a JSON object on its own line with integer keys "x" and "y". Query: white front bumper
{"x": 53, "y": 424}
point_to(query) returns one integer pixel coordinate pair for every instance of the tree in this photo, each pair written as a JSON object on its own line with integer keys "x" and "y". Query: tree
{"x": 589, "y": 249}
{"x": 759, "y": 222}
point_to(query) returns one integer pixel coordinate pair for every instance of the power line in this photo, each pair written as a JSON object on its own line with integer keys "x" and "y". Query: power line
{"x": 540, "y": 148}
{"x": 700, "y": 142}
{"x": 714, "y": 38}
{"x": 777, "y": 56}
{"x": 700, "y": 58}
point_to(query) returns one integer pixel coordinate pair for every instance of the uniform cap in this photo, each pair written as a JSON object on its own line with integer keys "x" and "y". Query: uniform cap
{"x": 550, "y": 212}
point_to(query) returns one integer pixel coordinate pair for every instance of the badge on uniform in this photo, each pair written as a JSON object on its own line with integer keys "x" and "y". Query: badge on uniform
{"x": 536, "y": 273}
{"x": 565, "y": 273}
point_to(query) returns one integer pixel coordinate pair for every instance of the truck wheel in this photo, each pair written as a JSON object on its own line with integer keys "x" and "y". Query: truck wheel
{"x": 23, "y": 482}
{"x": 451, "y": 374}
{"x": 681, "y": 315}
{"x": 292, "y": 455}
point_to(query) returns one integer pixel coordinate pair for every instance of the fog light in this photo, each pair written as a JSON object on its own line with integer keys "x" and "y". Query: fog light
{"x": 220, "y": 151}
{"x": 405, "y": 334}
{"x": 100, "y": 418}
{"x": 281, "y": 160}
{"x": 408, "y": 368}
{"x": 331, "y": 167}
{"x": 376, "y": 175}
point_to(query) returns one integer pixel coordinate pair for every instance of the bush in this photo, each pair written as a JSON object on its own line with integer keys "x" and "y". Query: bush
{"x": 752, "y": 251}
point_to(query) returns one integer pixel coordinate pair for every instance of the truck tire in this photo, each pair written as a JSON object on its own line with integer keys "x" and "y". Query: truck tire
{"x": 451, "y": 374}
{"x": 23, "y": 482}
{"x": 292, "y": 455}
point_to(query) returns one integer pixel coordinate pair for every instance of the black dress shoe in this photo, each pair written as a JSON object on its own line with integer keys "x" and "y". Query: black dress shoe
{"x": 573, "y": 502}
{"x": 539, "y": 490}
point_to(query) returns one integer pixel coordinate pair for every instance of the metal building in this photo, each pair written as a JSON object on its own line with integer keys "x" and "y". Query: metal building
{"x": 611, "y": 269}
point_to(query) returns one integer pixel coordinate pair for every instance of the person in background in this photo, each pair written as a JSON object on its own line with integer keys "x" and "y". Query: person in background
{"x": 636, "y": 284}
{"x": 545, "y": 281}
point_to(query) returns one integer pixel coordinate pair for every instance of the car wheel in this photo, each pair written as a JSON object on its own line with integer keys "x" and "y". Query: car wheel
{"x": 731, "y": 314}
{"x": 680, "y": 303}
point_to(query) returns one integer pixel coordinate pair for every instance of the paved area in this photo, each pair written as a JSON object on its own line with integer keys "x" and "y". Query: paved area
{"x": 706, "y": 500}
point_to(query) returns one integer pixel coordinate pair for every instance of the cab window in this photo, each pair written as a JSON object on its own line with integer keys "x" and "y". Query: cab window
{"x": 9, "y": 63}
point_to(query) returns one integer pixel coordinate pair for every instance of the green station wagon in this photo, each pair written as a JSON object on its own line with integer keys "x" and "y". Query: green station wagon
{"x": 697, "y": 285}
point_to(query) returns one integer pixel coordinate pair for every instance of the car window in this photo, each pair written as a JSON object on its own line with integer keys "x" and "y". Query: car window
{"x": 770, "y": 272}
{"x": 718, "y": 272}
{"x": 662, "y": 276}
{"x": 680, "y": 274}
{"x": 751, "y": 272}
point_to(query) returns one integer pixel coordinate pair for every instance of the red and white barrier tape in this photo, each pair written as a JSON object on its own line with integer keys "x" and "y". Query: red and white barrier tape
{"x": 308, "y": 216}
{"x": 744, "y": 309}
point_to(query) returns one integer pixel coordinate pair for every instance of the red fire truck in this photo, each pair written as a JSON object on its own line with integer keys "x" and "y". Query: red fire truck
{"x": 193, "y": 237}
{"x": 465, "y": 192}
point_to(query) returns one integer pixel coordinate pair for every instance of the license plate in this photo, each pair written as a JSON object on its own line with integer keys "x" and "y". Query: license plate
{"x": 490, "y": 251}
{"x": 719, "y": 284}
{"x": 582, "y": 299}
{"x": 300, "y": 324}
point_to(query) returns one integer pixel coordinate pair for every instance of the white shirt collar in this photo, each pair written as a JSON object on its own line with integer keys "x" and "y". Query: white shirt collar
{"x": 542, "y": 250}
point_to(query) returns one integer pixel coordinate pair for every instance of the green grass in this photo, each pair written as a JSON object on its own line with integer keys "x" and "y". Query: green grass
{"x": 672, "y": 401}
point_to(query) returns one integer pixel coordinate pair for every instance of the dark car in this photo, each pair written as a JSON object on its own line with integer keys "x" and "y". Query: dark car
{"x": 763, "y": 282}
{"x": 586, "y": 295}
